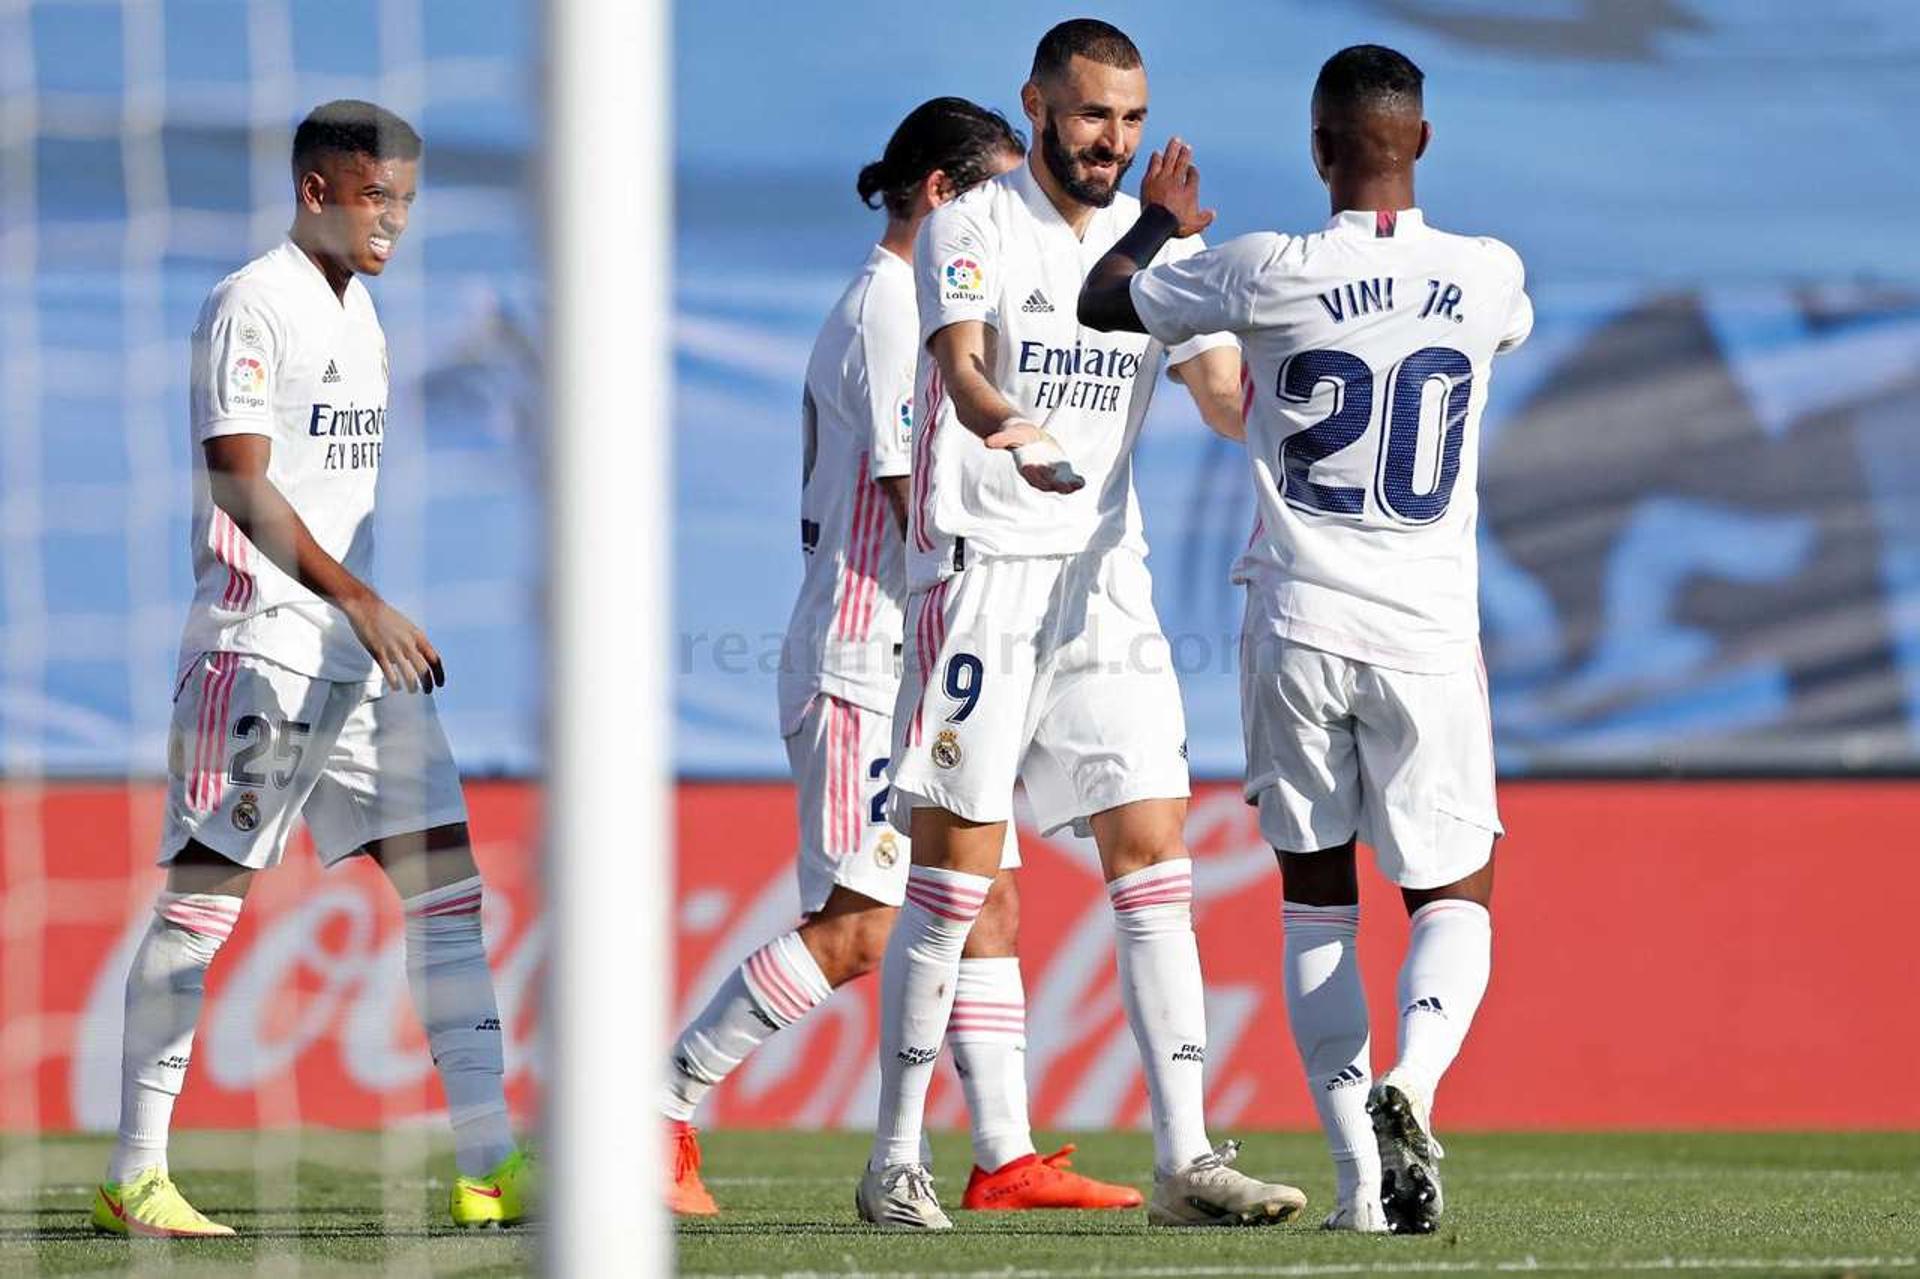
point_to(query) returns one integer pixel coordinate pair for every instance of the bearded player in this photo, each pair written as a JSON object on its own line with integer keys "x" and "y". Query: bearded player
{"x": 301, "y": 693}
{"x": 839, "y": 675}
{"x": 1371, "y": 343}
{"x": 1035, "y": 651}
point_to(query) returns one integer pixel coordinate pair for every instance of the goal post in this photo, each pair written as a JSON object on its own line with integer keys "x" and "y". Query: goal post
{"x": 608, "y": 872}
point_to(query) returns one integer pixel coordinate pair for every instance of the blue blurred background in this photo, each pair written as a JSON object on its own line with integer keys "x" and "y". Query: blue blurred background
{"x": 1701, "y": 529}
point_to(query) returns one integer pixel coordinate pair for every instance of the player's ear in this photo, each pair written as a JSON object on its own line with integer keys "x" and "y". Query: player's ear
{"x": 1426, "y": 136}
{"x": 1318, "y": 145}
{"x": 312, "y": 191}
{"x": 935, "y": 190}
{"x": 1032, "y": 103}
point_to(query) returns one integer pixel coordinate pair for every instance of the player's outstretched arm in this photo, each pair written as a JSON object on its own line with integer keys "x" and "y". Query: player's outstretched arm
{"x": 964, "y": 352}
{"x": 1169, "y": 209}
{"x": 1213, "y": 379}
{"x": 237, "y": 479}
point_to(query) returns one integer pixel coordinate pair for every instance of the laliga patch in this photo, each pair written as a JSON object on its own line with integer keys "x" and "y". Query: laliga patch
{"x": 904, "y": 416}
{"x": 962, "y": 280}
{"x": 946, "y": 749}
{"x": 247, "y": 383}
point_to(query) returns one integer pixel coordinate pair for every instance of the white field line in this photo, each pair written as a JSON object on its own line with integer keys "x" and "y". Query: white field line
{"x": 1520, "y": 1266}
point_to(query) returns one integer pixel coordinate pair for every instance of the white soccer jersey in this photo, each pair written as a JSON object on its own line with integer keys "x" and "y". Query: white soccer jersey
{"x": 857, "y": 413}
{"x": 1002, "y": 254}
{"x": 277, "y": 353}
{"x": 1369, "y": 345}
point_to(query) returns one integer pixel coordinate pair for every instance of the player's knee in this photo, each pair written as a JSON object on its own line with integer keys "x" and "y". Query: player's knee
{"x": 1326, "y": 877}
{"x": 997, "y": 929}
{"x": 850, "y": 945}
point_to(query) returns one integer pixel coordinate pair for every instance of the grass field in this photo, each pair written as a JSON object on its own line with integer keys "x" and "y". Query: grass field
{"x": 328, "y": 1203}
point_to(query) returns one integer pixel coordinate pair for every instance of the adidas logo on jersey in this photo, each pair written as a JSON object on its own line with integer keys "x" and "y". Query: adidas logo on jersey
{"x": 1347, "y": 1078}
{"x": 1429, "y": 1004}
{"x": 332, "y": 374}
{"x": 1037, "y": 304}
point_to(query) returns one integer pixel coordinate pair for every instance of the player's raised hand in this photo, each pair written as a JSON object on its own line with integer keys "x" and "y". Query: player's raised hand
{"x": 1173, "y": 183}
{"x": 1039, "y": 457}
{"x": 401, "y": 649}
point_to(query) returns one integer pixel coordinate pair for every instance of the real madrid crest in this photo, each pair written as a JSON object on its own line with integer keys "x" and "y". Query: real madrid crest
{"x": 886, "y": 851}
{"x": 946, "y": 749}
{"x": 246, "y": 813}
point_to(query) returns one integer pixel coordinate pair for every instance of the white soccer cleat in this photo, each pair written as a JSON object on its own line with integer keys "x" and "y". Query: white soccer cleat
{"x": 1409, "y": 1156}
{"x": 900, "y": 1197}
{"x": 1361, "y": 1217}
{"x": 1209, "y": 1193}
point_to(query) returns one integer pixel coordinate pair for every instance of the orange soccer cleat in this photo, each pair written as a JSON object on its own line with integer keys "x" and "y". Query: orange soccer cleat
{"x": 1043, "y": 1181}
{"x": 688, "y": 1195}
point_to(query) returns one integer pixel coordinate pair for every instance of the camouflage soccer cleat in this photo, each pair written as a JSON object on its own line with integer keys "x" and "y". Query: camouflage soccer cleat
{"x": 1409, "y": 1157}
{"x": 1209, "y": 1193}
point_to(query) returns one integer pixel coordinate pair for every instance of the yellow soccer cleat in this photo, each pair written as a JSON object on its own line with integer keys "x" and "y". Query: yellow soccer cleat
{"x": 150, "y": 1207}
{"x": 504, "y": 1197}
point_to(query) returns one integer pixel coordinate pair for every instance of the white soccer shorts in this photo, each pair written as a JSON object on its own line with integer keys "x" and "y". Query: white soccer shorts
{"x": 1048, "y": 669}
{"x": 254, "y": 745}
{"x": 839, "y": 757}
{"x": 1338, "y": 748}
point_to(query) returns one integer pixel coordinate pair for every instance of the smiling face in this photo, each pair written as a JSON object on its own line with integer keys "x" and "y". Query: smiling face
{"x": 354, "y": 208}
{"x": 1089, "y": 120}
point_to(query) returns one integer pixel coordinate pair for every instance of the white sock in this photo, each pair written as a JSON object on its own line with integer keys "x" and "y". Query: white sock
{"x": 165, "y": 985}
{"x": 1166, "y": 1003}
{"x": 917, "y": 981}
{"x": 772, "y": 988}
{"x": 453, "y": 995}
{"x": 1327, "y": 1010}
{"x": 988, "y": 1034}
{"x": 1449, "y": 957}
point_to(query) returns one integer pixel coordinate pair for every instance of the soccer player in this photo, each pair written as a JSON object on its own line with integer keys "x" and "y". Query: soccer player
{"x": 301, "y": 693}
{"x": 837, "y": 684}
{"x": 1036, "y": 653}
{"x": 1371, "y": 343}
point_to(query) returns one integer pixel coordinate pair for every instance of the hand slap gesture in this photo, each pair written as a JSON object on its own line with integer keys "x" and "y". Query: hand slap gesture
{"x": 1173, "y": 183}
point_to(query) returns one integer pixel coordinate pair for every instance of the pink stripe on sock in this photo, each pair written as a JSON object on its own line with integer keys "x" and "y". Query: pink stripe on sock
{"x": 1163, "y": 891}
{"x": 768, "y": 986}
{"x": 934, "y": 907}
{"x": 458, "y": 906}
{"x": 207, "y": 921}
{"x": 950, "y": 895}
{"x": 779, "y": 985}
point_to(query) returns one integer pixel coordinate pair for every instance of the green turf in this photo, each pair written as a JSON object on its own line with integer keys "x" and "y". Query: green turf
{"x": 321, "y": 1202}
{"x": 1728, "y": 1203}
{"x": 330, "y": 1203}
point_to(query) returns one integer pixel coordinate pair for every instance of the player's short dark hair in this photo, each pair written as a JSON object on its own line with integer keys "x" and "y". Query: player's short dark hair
{"x": 352, "y": 127}
{"x": 1372, "y": 76}
{"x": 960, "y": 138}
{"x": 1088, "y": 38}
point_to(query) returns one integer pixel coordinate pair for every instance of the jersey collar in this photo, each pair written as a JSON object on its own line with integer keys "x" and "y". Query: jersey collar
{"x": 1379, "y": 224}
{"x": 1036, "y": 197}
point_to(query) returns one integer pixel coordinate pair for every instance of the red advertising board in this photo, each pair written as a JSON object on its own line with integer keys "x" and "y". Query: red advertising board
{"x": 1684, "y": 955}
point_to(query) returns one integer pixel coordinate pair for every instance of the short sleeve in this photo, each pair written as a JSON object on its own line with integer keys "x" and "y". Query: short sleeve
{"x": 956, "y": 265}
{"x": 236, "y": 364}
{"x": 1202, "y": 292}
{"x": 1519, "y": 323}
{"x": 888, "y": 354}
